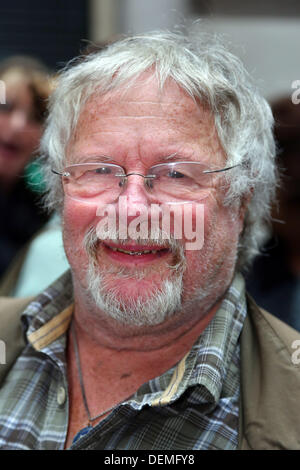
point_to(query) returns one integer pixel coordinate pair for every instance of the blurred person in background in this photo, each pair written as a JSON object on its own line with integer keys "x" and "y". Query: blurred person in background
{"x": 27, "y": 86}
{"x": 274, "y": 280}
{"x": 42, "y": 260}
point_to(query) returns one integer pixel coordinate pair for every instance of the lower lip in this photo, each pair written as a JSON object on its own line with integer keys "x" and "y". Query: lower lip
{"x": 7, "y": 151}
{"x": 126, "y": 259}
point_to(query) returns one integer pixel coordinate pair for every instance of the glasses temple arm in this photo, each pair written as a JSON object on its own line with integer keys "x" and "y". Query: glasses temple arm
{"x": 56, "y": 172}
{"x": 222, "y": 169}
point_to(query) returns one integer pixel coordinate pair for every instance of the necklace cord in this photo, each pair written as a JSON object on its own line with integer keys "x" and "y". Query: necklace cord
{"x": 80, "y": 376}
{"x": 80, "y": 372}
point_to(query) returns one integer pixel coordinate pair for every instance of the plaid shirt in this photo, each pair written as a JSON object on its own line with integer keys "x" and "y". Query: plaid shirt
{"x": 192, "y": 406}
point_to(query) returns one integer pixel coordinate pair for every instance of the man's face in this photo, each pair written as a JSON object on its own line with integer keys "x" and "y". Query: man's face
{"x": 137, "y": 130}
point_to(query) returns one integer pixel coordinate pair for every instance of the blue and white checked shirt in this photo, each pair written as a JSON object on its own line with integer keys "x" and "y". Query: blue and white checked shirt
{"x": 192, "y": 406}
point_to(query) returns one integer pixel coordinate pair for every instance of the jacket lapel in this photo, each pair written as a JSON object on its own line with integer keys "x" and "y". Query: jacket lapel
{"x": 270, "y": 383}
{"x": 11, "y": 330}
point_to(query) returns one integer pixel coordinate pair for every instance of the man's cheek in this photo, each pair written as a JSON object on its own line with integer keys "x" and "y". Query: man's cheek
{"x": 207, "y": 233}
{"x": 77, "y": 220}
{"x": 194, "y": 226}
{"x": 78, "y": 215}
{"x": 186, "y": 223}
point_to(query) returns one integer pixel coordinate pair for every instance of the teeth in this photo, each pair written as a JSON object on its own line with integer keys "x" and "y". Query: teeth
{"x": 134, "y": 252}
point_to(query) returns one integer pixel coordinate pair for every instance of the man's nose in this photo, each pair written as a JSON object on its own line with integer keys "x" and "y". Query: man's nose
{"x": 18, "y": 120}
{"x": 134, "y": 189}
{"x": 135, "y": 195}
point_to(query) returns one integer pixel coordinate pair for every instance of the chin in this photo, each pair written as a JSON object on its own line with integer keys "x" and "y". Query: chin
{"x": 132, "y": 301}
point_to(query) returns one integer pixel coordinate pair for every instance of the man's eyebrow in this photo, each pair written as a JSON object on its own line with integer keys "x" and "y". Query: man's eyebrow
{"x": 176, "y": 157}
{"x": 173, "y": 157}
{"x": 93, "y": 158}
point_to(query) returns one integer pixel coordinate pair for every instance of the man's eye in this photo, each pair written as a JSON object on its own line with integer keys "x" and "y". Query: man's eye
{"x": 175, "y": 174}
{"x": 103, "y": 171}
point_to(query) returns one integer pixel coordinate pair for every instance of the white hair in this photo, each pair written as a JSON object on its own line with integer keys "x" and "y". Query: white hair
{"x": 208, "y": 72}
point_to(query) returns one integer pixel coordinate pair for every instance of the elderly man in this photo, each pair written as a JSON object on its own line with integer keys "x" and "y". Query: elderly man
{"x": 150, "y": 342}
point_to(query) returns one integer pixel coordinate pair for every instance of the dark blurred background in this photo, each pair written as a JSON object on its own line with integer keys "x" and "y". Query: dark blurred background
{"x": 50, "y": 30}
{"x": 265, "y": 34}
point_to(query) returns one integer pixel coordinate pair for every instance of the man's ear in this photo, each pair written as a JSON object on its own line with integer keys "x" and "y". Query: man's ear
{"x": 244, "y": 203}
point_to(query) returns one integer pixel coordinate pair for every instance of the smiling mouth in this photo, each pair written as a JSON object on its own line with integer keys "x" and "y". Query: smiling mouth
{"x": 131, "y": 251}
{"x": 8, "y": 148}
{"x": 139, "y": 253}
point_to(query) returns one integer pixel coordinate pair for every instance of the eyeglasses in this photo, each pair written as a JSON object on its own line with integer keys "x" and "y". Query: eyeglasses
{"x": 166, "y": 182}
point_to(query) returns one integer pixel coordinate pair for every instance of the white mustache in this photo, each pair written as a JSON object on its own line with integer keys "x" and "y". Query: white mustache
{"x": 93, "y": 237}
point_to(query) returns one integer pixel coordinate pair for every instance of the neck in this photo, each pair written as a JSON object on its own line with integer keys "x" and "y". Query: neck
{"x": 183, "y": 328}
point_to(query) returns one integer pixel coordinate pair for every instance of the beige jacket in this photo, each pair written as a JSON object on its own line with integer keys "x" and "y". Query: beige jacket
{"x": 270, "y": 382}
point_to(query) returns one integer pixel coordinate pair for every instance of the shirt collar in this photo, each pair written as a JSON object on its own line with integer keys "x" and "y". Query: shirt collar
{"x": 46, "y": 319}
{"x": 219, "y": 342}
{"x": 208, "y": 362}
{"x": 46, "y": 310}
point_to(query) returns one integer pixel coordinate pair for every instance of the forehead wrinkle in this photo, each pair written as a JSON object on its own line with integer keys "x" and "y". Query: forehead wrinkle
{"x": 136, "y": 117}
{"x": 114, "y": 106}
{"x": 119, "y": 112}
{"x": 158, "y": 103}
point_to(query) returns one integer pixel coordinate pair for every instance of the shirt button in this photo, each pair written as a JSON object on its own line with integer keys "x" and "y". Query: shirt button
{"x": 61, "y": 396}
